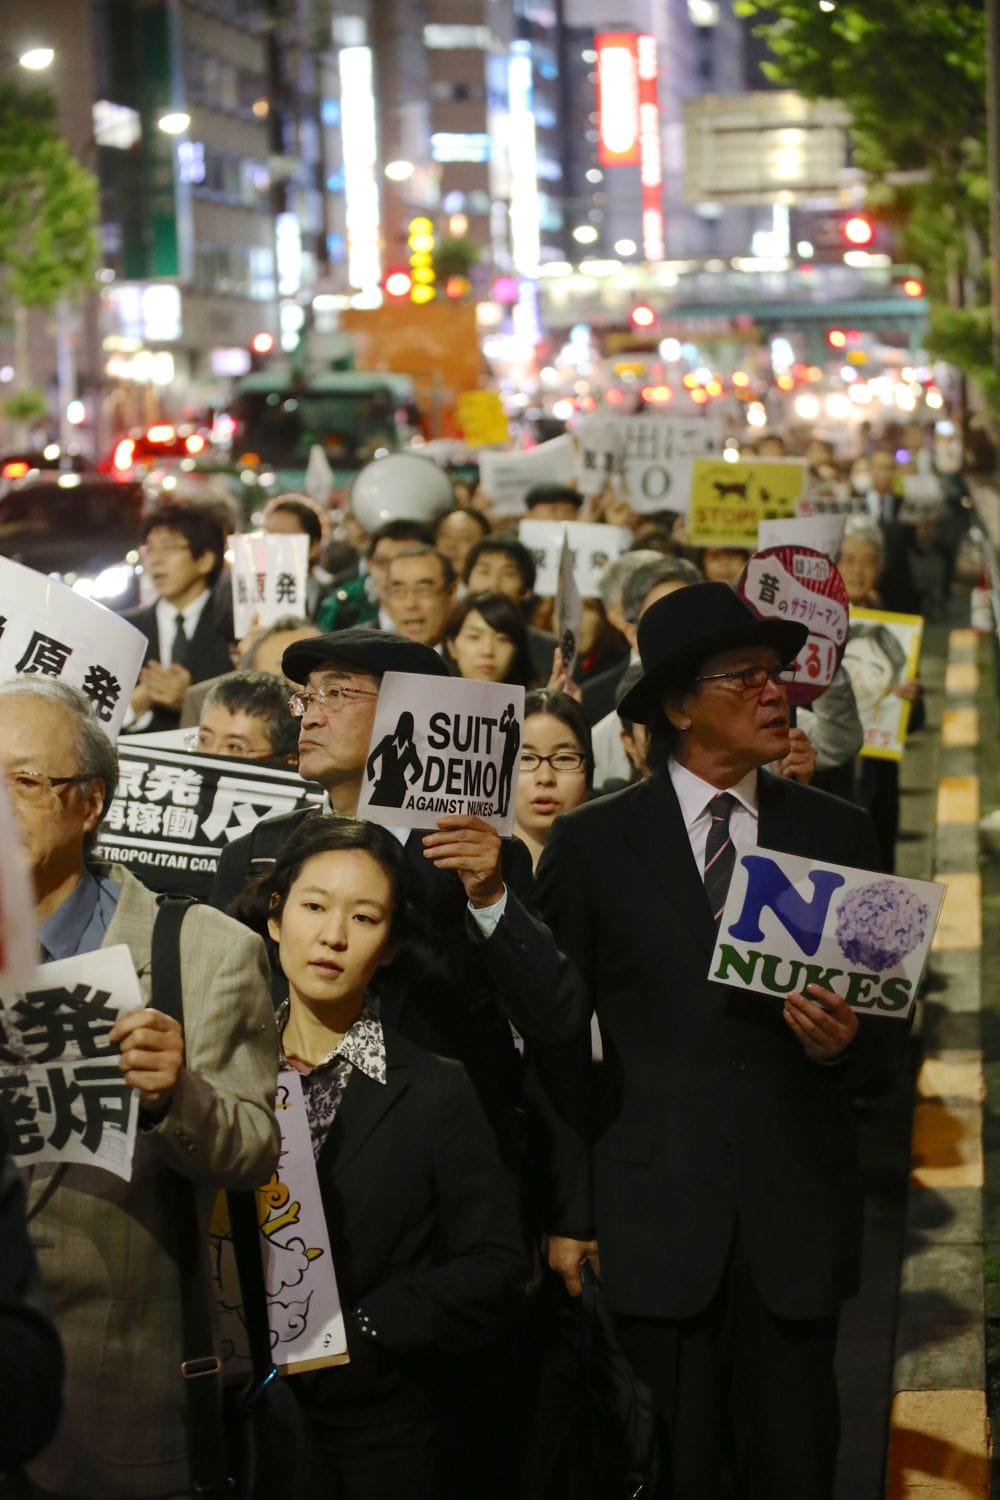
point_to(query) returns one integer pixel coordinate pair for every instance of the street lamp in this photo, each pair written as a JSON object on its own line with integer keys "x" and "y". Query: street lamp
{"x": 37, "y": 59}
{"x": 399, "y": 171}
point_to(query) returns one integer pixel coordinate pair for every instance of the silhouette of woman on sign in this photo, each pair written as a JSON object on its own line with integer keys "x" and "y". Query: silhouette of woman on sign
{"x": 511, "y": 731}
{"x": 398, "y": 754}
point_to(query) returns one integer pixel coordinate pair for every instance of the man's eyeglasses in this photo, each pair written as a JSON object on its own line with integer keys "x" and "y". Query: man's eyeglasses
{"x": 33, "y": 787}
{"x": 164, "y": 549}
{"x": 197, "y": 744}
{"x": 562, "y": 760}
{"x": 328, "y": 700}
{"x": 425, "y": 590}
{"x": 754, "y": 678}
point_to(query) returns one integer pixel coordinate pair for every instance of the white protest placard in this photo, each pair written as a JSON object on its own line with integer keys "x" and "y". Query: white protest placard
{"x": 790, "y": 922}
{"x": 821, "y": 533}
{"x": 442, "y": 745}
{"x": 303, "y": 1303}
{"x": 269, "y": 577}
{"x": 592, "y": 545}
{"x": 569, "y": 610}
{"x": 60, "y": 1084}
{"x": 653, "y": 466}
{"x": 507, "y": 477}
{"x": 882, "y": 653}
{"x": 319, "y": 476}
{"x": 598, "y": 448}
{"x": 48, "y": 630}
{"x": 175, "y": 811}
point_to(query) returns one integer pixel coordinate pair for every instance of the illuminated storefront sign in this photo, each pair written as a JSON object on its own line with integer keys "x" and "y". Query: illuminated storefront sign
{"x": 525, "y": 215}
{"x": 361, "y": 203}
{"x": 650, "y": 150}
{"x": 618, "y": 99}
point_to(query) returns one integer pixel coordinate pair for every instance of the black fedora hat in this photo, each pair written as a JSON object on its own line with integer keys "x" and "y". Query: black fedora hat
{"x": 683, "y": 629}
{"x": 374, "y": 651}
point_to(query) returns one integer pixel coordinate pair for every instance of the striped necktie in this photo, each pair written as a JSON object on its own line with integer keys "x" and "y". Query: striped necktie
{"x": 719, "y": 854}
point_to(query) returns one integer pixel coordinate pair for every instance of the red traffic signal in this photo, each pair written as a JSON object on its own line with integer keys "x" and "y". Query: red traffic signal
{"x": 642, "y": 316}
{"x": 859, "y": 230}
{"x": 912, "y": 287}
{"x": 262, "y": 343}
{"x": 836, "y": 338}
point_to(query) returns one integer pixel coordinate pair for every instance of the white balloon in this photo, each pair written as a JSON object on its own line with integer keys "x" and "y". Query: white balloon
{"x": 400, "y": 487}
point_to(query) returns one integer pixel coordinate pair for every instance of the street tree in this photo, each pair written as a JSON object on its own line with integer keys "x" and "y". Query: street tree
{"x": 913, "y": 75}
{"x": 48, "y": 226}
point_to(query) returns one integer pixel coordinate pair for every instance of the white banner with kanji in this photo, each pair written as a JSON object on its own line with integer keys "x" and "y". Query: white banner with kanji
{"x": 64, "y": 1095}
{"x": 47, "y": 630}
{"x": 269, "y": 577}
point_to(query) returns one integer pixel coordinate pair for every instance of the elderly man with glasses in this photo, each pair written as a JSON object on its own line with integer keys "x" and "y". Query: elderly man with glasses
{"x": 710, "y": 1168}
{"x": 491, "y": 964}
{"x": 108, "y": 1250}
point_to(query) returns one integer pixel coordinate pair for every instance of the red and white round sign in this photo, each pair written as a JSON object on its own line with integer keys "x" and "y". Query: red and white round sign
{"x": 803, "y": 585}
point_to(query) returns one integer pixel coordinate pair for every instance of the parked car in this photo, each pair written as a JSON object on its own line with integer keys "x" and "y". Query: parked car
{"x": 81, "y": 528}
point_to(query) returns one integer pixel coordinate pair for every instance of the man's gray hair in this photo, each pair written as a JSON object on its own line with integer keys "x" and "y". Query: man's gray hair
{"x": 612, "y": 584}
{"x": 248, "y": 660}
{"x": 665, "y": 570}
{"x": 864, "y": 529}
{"x": 96, "y": 756}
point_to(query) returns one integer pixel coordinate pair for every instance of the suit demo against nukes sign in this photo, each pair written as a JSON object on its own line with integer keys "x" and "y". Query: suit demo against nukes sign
{"x": 710, "y": 1169}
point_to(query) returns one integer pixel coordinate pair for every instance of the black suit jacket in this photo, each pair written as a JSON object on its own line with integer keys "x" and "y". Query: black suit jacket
{"x": 423, "y": 1221}
{"x": 598, "y": 692}
{"x": 707, "y": 1115}
{"x": 463, "y": 992}
{"x": 208, "y": 655}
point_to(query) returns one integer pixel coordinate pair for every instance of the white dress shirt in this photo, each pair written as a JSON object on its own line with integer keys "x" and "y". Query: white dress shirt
{"x": 166, "y": 623}
{"x": 695, "y": 795}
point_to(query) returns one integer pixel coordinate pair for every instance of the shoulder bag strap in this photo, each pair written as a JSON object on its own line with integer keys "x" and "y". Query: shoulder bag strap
{"x": 201, "y": 1367}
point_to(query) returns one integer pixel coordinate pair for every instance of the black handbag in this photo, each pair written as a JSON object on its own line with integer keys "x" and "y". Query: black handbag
{"x": 594, "y": 1430}
{"x": 248, "y": 1439}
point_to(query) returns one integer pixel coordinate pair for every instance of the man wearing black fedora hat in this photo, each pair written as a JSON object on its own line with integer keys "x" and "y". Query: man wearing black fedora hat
{"x": 490, "y": 961}
{"x": 709, "y": 1169}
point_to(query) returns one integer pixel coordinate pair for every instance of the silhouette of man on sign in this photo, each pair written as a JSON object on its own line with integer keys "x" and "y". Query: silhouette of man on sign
{"x": 511, "y": 731}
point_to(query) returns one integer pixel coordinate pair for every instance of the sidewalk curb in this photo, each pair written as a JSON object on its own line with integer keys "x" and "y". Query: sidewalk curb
{"x": 939, "y": 1432}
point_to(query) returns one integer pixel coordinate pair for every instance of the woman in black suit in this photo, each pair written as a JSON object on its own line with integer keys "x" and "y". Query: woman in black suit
{"x": 422, "y": 1213}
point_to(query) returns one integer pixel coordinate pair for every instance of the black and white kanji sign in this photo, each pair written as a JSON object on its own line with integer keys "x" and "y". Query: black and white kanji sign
{"x": 175, "y": 812}
{"x": 591, "y": 544}
{"x": 269, "y": 577}
{"x": 47, "y": 630}
{"x": 61, "y": 1089}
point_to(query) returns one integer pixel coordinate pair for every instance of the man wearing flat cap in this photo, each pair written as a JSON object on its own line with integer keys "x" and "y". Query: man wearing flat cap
{"x": 710, "y": 1168}
{"x": 492, "y": 962}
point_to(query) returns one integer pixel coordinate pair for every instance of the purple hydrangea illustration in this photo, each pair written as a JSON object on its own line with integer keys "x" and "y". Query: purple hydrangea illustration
{"x": 879, "y": 924}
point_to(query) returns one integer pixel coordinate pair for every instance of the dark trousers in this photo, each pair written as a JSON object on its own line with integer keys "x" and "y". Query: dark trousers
{"x": 378, "y": 1461}
{"x": 747, "y": 1401}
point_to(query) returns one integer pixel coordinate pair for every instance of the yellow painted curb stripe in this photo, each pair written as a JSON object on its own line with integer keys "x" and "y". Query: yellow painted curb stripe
{"x": 952, "y": 1075}
{"x": 959, "y": 728}
{"x": 939, "y": 1447}
{"x": 961, "y": 921}
{"x": 961, "y": 677}
{"x": 946, "y": 1148}
{"x": 962, "y": 644}
{"x": 957, "y": 800}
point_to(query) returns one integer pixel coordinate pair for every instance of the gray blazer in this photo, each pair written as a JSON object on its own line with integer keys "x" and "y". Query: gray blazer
{"x": 106, "y": 1247}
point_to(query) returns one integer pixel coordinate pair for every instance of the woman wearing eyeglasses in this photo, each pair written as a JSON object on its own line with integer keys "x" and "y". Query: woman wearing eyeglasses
{"x": 557, "y": 766}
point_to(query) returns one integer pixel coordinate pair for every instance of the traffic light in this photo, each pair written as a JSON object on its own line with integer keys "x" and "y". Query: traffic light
{"x": 912, "y": 287}
{"x": 261, "y": 346}
{"x": 836, "y": 338}
{"x": 642, "y": 316}
{"x": 420, "y": 243}
{"x": 859, "y": 231}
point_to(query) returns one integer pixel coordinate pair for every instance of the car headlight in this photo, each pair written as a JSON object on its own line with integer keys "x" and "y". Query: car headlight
{"x": 110, "y": 583}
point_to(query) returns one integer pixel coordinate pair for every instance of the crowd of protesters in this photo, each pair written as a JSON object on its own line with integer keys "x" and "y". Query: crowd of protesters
{"x": 516, "y": 1073}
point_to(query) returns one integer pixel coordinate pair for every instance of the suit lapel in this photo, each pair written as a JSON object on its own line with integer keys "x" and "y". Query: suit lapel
{"x": 364, "y": 1105}
{"x": 655, "y": 830}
